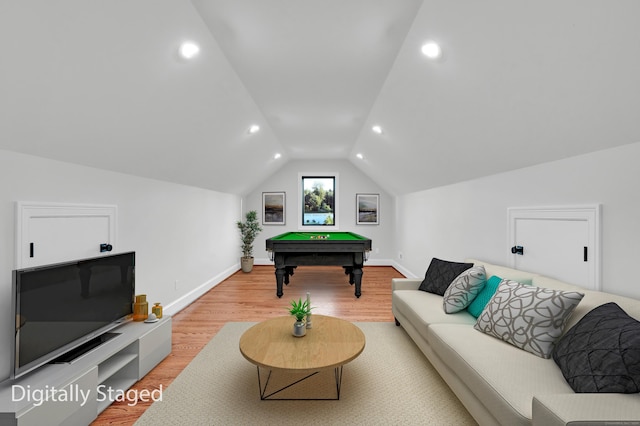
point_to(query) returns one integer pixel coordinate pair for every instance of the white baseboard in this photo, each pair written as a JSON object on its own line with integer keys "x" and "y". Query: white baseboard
{"x": 404, "y": 271}
{"x": 184, "y": 301}
{"x": 379, "y": 262}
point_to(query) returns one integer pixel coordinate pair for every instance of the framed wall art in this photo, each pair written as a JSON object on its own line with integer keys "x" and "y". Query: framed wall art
{"x": 273, "y": 208}
{"x": 367, "y": 209}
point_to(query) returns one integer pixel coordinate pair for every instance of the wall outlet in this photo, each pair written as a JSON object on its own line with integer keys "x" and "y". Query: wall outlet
{"x": 377, "y": 250}
{"x": 400, "y": 255}
{"x": 175, "y": 285}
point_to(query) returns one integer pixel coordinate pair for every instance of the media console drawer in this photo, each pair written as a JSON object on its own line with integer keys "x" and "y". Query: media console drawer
{"x": 155, "y": 345}
{"x": 72, "y": 403}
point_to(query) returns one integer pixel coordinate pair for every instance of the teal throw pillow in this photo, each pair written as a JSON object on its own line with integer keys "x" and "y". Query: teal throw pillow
{"x": 481, "y": 300}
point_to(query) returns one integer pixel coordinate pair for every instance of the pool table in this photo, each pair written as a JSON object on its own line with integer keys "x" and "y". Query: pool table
{"x": 293, "y": 249}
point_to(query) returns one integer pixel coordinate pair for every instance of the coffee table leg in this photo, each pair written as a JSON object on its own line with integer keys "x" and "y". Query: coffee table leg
{"x": 263, "y": 389}
{"x": 338, "y": 374}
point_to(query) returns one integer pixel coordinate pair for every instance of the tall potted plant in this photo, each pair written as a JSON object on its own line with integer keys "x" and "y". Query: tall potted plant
{"x": 249, "y": 229}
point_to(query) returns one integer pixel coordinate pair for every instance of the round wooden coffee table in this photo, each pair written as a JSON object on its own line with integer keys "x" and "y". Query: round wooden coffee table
{"x": 331, "y": 343}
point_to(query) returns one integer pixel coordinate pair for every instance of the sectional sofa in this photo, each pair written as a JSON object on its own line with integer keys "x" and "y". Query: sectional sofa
{"x": 499, "y": 382}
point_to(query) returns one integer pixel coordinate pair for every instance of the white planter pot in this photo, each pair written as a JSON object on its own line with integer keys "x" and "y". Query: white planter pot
{"x": 246, "y": 264}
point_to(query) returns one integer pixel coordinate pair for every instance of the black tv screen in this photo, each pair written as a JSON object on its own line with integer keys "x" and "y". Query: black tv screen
{"x": 60, "y": 307}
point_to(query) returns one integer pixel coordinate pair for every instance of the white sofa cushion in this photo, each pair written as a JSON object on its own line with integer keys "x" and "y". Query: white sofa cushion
{"x": 581, "y": 409}
{"x": 504, "y": 378}
{"x": 422, "y": 309}
{"x": 504, "y": 272}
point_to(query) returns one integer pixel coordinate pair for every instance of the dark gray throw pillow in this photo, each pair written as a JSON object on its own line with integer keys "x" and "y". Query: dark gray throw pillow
{"x": 440, "y": 274}
{"x": 601, "y": 353}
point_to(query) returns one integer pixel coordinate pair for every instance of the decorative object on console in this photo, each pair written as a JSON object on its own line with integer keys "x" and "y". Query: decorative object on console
{"x": 601, "y": 353}
{"x": 140, "y": 308}
{"x": 157, "y": 309}
{"x": 463, "y": 289}
{"x": 151, "y": 318}
{"x": 249, "y": 229}
{"x": 440, "y": 274}
{"x": 529, "y": 318}
{"x": 300, "y": 310}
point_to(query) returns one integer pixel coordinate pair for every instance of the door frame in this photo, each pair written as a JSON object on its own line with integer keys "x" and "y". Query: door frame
{"x": 591, "y": 214}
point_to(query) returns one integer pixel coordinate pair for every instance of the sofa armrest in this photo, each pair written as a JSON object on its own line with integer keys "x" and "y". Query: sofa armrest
{"x": 405, "y": 283}
{"x": 586, "y": 408}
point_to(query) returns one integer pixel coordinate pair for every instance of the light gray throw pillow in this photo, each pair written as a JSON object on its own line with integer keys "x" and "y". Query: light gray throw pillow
{"x": 463, "y": 289}
{"x": 530, "y": 318}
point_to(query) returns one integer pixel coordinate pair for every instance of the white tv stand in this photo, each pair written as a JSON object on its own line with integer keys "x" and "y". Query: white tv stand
{"x": 88, "y": 381}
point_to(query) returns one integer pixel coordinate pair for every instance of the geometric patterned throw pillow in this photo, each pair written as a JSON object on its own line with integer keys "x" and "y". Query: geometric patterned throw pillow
{"x": 530, "y": 318}
{"x": 463, "y": 289}
{"x": 440, "y": 273}
{"x": 601, "y": 353}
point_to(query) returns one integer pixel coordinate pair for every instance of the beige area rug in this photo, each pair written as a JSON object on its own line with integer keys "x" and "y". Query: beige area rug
{"x": 390, "y": 383}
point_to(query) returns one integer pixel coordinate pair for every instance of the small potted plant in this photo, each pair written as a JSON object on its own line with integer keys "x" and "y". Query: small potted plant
{"x": 249, "y": 229}
{"x": 300, "y": 310}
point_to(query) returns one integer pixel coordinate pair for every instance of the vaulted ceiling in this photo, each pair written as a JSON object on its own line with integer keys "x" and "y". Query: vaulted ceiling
{"x": 519, "y": 83}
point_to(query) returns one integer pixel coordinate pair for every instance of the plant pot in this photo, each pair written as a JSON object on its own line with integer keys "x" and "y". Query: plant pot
{"x": 299, "y": 329}
{"x": 246, "y": 263}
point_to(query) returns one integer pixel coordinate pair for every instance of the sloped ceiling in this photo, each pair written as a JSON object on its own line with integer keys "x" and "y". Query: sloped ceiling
{"x": 520, "y": 83}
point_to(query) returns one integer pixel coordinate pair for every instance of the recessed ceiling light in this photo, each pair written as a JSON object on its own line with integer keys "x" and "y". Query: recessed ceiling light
{"x": 360, "y": 156}
{"x": 189, "y": 49}
{"x": 431, "y": 50}
{"x": 254, "y": 129}
{"x": 277, "y": 155}
{"x": 377, "y": 129}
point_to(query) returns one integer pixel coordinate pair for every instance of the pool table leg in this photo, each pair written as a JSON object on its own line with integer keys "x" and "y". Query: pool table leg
{"x": 348, "y": 270}
{"x": 357, "y": 278}
{"x": 288, "y": 271}
{"x": 280, "y": 273}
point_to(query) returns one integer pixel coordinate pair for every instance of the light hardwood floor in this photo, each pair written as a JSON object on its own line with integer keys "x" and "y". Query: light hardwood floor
{"x": 252, "y": 297}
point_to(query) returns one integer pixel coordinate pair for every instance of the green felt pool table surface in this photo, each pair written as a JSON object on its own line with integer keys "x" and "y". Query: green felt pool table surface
{"x": 321, "y": 236}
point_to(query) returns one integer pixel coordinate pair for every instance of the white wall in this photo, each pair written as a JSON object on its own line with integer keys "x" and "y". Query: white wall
{"x": 469, "y": 219}
{"x": 179, "y": 233}
{"x": 351, "y": 181}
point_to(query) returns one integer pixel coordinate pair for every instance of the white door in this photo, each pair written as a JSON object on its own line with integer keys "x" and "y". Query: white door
{"x": 561, "y": 243}
{"x": 52, "y": 233}
{"x": 59, "y": 239}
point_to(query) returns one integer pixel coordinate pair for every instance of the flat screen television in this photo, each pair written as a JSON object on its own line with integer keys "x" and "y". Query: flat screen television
{"x": 63, "y": 307}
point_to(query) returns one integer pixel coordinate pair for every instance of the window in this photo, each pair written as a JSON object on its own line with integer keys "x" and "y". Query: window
{"x": 318, "y": 205}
